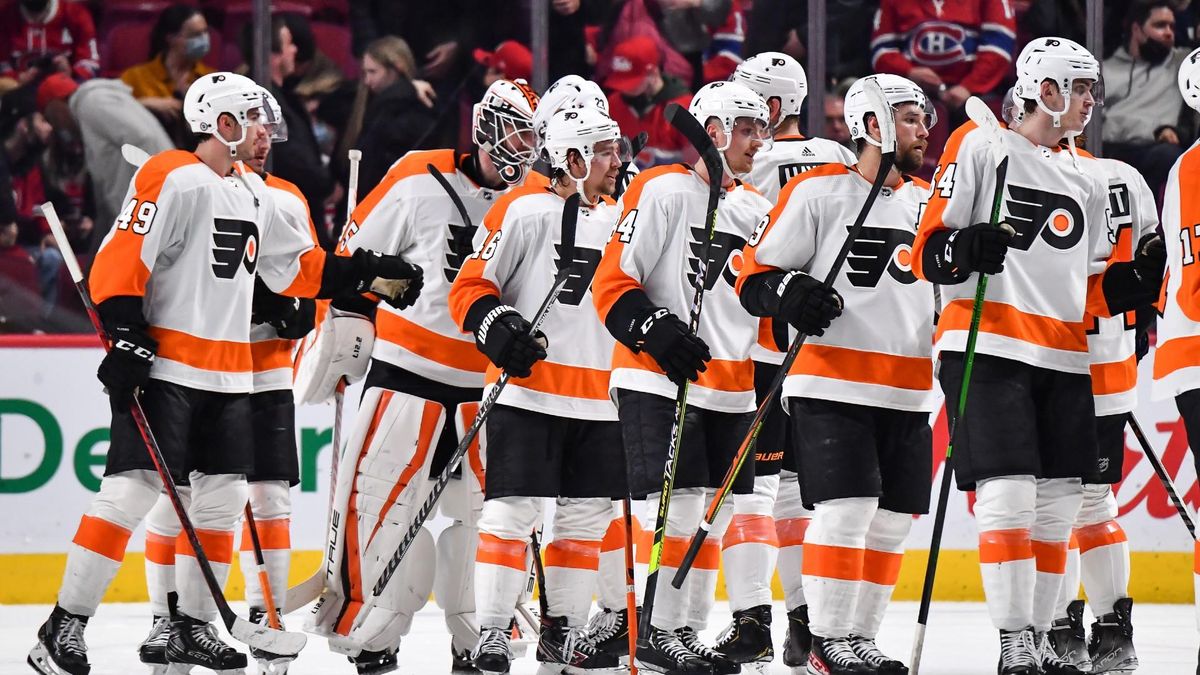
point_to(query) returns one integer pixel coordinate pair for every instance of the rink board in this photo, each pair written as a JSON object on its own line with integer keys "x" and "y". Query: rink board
{"x": 54, "y": 433}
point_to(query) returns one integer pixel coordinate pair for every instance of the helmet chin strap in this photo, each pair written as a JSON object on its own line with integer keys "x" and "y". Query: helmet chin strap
{"x": 1056, "y": 116}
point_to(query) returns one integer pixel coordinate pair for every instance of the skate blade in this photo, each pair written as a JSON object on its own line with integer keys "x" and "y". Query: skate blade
{"x": 759, "y": 667}
{"x": 572, "y": 670}
{"x": 157, "y": 668}
{"x": 273, "y": 666}
{"x": 186, "y": 668}
{"x": 799, "y": 670}
{"x": 39, "y": 659}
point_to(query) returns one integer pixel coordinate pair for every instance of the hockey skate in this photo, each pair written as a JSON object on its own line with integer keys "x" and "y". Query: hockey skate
{"x": 460, "y": 662}
{"x": 492, "y": 654}
{"x": 609, "y": 631}
{"x": 664, "y": 653}
{"x": 195, "y": 643}
{"x": 268, "y": 663}
{"x": 153, "y": 650}
{"x": 1052, "y": 663}
{"x": 1067, "y": 637}
{"x": 835, "y": 656}
{"x": 375, "y": 663}
{"x": 1018, "y": 653}
{"x": 721, "y": 665}
{"x": 562, "y": 649}
{"x": 748, "y": 639}
{"x": 60, "y": 649}
{"x": 883, "y": 664}
{"x": 1111, "y": 647}
{"x": 797, "y": 643}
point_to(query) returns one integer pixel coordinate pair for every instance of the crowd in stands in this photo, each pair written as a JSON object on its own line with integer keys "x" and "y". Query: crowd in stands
{"x": 79, "y": 79}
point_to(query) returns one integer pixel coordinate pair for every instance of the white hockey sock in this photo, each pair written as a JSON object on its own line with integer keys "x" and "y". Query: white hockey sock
{"x": 791, "y": 522}
{"x": 1058, "y": 501}
{"x": 217, "y": 503}
{"x": 701, "y": 583}
{"x": 1070, "y": 584}
{"x": 1004, "y": 509}
{"x": 881, "y": 569}
{"x": 834, "y": 551}
{"x": 751, "y": 546}
{"x": 162, "y": 536}
{"x": 573, "y": 558}
{"x": 99, "y": 545}
{"x": 684, "y": 515}
{"x": 271, "y": 504}
{"x": 1103, "y": 549}
{"x": 501, "y": 564}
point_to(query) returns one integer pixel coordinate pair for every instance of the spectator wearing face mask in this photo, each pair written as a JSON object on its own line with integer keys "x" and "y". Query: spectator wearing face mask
{"x": 39, "y": 37}
{"x": 1142, "y": 104}
{"x": 179, "y": 42}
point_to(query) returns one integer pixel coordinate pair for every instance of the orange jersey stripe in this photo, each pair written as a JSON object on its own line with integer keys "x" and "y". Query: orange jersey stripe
{"x": 1051, "y": 556}
{"x": 271, "y": 354}
{"x": 560, "y": 379}
{"x": 160, "y": 549}
{"x": 791, "y": 531}
{"x": 580, "y": 554}
{"x": 751, "y": 529}
{"x": 217, "y": 545}
{"x": 103, "y": 537}
{"x": 881, "y": 567}
{"x": 722, "y": 375}
{"x": 202, "y": 353}
{"x": 493, "y": 550}
{"x": 931, "y": 216}
{"x": 1101, "y": 534}
{"x": 1114, "y": 378}
{"x": 1008, "y": 321}
{"x": 1000, "y": 546}
{"x": 1176, "y": 354}
{"x": 833, "y": 562}
{"x": 854, "y": 365}
{"x": 273, "y": 535}
{"x": 428, "y": 344}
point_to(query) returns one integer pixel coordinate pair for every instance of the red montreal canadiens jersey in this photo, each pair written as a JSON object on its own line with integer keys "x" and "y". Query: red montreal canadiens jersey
{"x": 69, "y": 30}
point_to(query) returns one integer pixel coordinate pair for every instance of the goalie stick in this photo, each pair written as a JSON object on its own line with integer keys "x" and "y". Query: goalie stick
{"x": 254, "y": 635}
{"x": 695, "y": 132}
{"x": 887, "y": 128}
{"x": 982, "y": 116}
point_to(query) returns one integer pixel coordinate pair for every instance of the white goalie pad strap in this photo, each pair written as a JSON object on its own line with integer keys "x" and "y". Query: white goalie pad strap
{"x": 380, "y": 487}
{"x": 342, "y": 348}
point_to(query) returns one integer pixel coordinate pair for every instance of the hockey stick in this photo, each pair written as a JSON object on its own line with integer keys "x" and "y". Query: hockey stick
{"x": 259, "y": 637}
{"x": 1163, "y": 476}
{"x": 630, "y": 583}
{"x": 565, "y": 258}
{"x": 264, "y": 582}
{"x": 539, "y": 571}
{"x": 887, "y": 129}
{"x": 635, "y": 149}
{"x": 697, "y": 135}
{"x": 134, "y": 155}
{"x": 982, "y": 116}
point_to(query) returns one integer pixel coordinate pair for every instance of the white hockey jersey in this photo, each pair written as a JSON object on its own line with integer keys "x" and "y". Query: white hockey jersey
{"x": 879, "y": 351}
{"x": 656, "y": 247}
{"x": 1034, "y": 311}
{"x": 790, "y": 155}
{"x": 517, "y": 263}
{"x": 1111, "y": 340}
{"x": 190, "y": 243}
{"x": 1177, "y": 358}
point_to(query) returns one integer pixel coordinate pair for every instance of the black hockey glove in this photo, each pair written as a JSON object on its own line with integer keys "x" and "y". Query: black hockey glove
{"x": 807, "y": 304}
{"x": 292, "y": 318}
{"x": 504, "y": 336}
{"x": 389, "y": 276}
{"x": 126, "y": 366}
{"x": 673, "y": 347}
{"x": 1150, "y": 262}
{"x": 979, "y": 248}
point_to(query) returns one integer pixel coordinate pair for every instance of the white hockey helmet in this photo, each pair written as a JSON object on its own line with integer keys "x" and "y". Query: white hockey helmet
{"x": 578, "y": 129}
{"x": 775, "y": 74}
{"x": 218, "y": 94}
{"x": 1061, "y": 61}
{"x": 896, "y": 90}
{"x": 727, "y": 101}
{"x": 502, "y": 125}
{"x": 568, "y": 92}
{"x": 1189, "y": 80}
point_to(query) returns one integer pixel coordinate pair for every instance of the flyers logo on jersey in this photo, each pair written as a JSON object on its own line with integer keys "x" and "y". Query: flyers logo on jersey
{"x": 459, "y": 239}
{"x": 877, "y": 249}
{"x": 235, "y": 242}
{"x": 937, "y": 43}
{"x": 1055, "y": 218}
{"x": 724, "y": 257}
{"x": 583, "y": 268}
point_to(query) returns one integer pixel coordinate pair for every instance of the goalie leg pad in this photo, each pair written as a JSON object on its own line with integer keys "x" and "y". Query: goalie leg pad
{"x": 342, "y": 348}
{"x": 454, "y": 587}
{"x": 380, "y": 487}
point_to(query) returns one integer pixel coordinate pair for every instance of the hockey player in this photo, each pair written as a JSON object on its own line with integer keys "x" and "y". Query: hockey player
{"x": 754, "y": 542}
{"x": 276, "y": 323}
{"x": 421, "y": 367}
{"x": 1048, "y": 257}
{"x": 553, "y": 432}
{"x": 178, "y": 309}
{"x": 642, "y": 289}
{"x": 859, "y": 398}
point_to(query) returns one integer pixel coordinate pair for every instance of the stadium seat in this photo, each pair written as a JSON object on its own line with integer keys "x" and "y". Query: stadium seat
{"x": 335, "y": 42}
{"x": 20, "y": 295}
{"x": 125, "y": 44}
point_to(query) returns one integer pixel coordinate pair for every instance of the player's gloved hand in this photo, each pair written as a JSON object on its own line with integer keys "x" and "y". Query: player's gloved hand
{"x": 673, "y": 347}
{"x": 1150, "y": 262}
{"x": 389, "y": 276}
{"x": 980, "y": 247}
{"x": 292, "y": 318}
{"x": 126, "y": 366}
{"x": 807, "y": 304}
{"x": 504, "y": 336}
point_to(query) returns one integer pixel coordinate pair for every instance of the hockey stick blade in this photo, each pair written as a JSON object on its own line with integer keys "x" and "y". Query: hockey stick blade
{"x": 283, "y": 643}
{"x": 134, "y": 155}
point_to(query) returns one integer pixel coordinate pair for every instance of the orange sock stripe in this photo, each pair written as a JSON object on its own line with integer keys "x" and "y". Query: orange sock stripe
{"x": 790, "y": 531}
{"x": 881, "y": 567}
{"x": 103, "y": 537}
{"x": 1073, "y": 542}
{"x": 1100, "y": 534}
{"x": 1051, "y": 556}
{"x": 273, "y": 535}
{"x": 160, "y": 549}
{"x": 833, "y": 562}
{"x": 751, "y": 529}
{"x": 504, "y": 552}
{"x": 614, "y": 536}
{"x": 217, "y": 545}
{"x": 999, "y": 546}
{"x": 673, "y": 550}
{"x": 642, "y": 541}
{"x": 709, "y": 557}
{"x": 580, "y": 554}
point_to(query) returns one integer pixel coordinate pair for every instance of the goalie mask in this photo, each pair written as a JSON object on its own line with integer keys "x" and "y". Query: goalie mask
{"x": 502, "y": 126}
